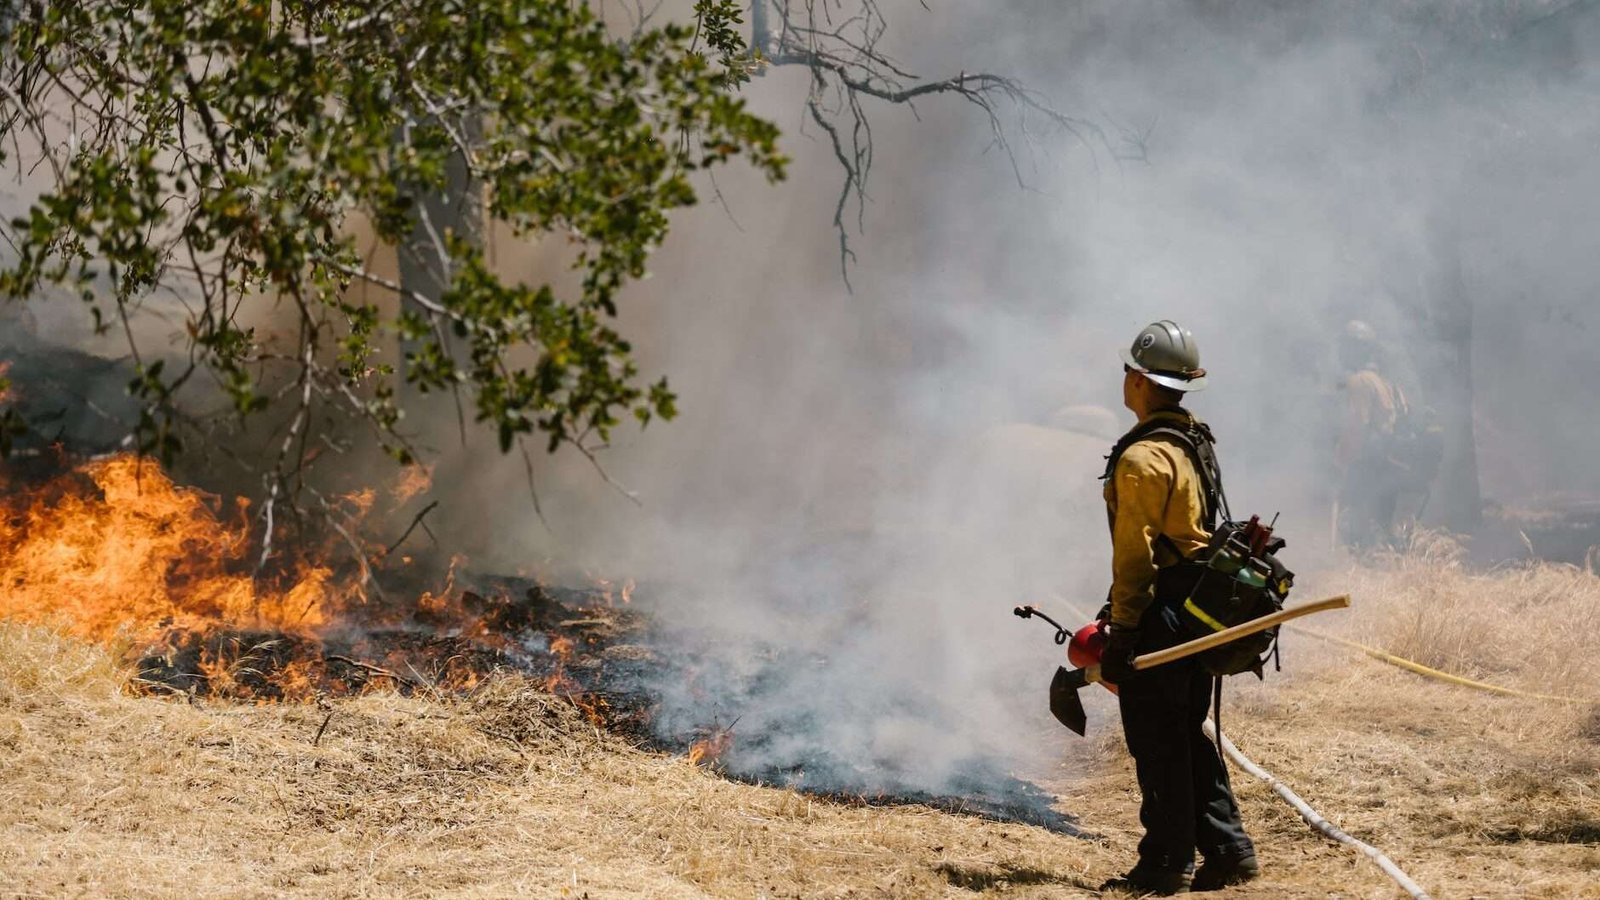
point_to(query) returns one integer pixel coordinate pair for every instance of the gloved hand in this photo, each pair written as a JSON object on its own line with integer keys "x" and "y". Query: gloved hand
{"x": 1116, "y": 663}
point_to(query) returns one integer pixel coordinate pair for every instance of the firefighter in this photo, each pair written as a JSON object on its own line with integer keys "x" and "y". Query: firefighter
{"x": 1159, "y": 514}
{"x": 1371, "y": 476}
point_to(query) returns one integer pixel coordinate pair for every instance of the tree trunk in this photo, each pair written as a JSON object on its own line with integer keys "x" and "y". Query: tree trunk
{"x": 1444, "y": 370}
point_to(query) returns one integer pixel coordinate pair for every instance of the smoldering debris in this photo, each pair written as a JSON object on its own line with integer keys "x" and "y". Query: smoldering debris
{"x": 608, "y": 661}
{"x": 808, "y": 721}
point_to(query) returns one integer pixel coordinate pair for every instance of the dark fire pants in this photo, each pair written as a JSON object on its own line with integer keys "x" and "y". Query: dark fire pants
{"x": 1187, "y": 803}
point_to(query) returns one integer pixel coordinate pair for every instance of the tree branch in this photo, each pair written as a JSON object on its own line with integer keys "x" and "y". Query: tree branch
{"x": 846, "y": 60}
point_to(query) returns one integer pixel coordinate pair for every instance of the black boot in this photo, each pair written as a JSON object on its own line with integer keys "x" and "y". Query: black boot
{"x": 1226, "y": 871}
{"x": 1140, "y": 881}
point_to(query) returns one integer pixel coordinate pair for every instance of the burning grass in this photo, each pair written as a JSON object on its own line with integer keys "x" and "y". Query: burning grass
{"x": 115, "y": 552}
{"x": 178, "y": 581}
{"x": 114, "y": 548}
{"x": 110, "y": 549}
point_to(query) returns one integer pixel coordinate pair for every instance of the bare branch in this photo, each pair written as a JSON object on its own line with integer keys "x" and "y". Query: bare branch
{"x": 852, "y": 176}
{"x": 843, "y": 52}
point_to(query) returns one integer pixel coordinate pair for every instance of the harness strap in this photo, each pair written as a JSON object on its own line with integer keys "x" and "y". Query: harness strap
{"x": 1197, "y": 441}
{"x": 1194, "y": 609}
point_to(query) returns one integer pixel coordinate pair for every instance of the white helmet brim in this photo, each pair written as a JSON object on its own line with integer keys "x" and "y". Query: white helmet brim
{"x": 1187, "y": 385}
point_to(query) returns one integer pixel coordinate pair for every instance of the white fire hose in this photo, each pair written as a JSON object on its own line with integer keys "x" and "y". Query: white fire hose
{"x": 1315, "y": 819}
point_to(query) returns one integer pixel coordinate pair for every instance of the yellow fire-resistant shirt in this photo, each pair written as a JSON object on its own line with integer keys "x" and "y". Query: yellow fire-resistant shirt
{"x": 1371, "y": 408}
{"x": 1154, "y": 491}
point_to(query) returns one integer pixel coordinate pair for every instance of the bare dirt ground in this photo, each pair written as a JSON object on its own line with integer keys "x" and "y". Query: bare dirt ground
{"x": 510, "y": 792}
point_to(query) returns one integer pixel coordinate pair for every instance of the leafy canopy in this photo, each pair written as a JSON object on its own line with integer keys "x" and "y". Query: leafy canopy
{"x": 215, "y": 151}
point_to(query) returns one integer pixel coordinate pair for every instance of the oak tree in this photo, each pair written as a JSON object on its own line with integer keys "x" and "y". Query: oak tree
{"x": 214, "y": 153}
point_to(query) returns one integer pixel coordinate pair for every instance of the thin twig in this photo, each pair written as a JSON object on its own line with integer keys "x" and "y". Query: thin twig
{"x": 324, "y": 727}
{"x": 372, "y": 669}
{"x": 410, "y": 528}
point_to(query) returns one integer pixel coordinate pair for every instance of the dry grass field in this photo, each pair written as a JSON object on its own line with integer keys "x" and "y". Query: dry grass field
{"x": 512, "y": 793}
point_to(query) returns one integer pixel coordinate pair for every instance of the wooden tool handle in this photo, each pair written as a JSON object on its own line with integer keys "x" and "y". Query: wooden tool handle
{"x": 1202, "y": 644}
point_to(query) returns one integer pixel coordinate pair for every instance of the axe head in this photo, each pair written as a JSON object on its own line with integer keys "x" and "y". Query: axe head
{"x": 1065, "y": 704}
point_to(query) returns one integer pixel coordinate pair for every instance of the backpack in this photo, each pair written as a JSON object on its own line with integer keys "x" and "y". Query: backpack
{"x": 1236, "y": 577}
{"x": 1408, "y": 453}
{"x": 1416, "y": 445}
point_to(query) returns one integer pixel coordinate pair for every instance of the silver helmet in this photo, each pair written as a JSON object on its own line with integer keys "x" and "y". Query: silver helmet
{"x": 1165, "y": 352}
{"x": 1358, "y": 346}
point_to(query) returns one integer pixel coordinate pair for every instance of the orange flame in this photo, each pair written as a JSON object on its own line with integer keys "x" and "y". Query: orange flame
{"x": 359, "y": 502}
{"x": 414, "y": 479}
{"x": 710, "y": 748}
{"x": 113, "y": 550}
{"x": 130, "y": 550}
{"x": 559, "y": 682}
{"x": 561, "y": 648}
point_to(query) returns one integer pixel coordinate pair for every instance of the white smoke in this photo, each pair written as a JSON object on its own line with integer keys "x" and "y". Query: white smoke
{"x": 862, "y": 485}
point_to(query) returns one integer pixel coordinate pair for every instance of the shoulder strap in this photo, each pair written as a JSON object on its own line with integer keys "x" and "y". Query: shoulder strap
{"x": 1396, "y": 397}
{"x": 1197, "y": 440}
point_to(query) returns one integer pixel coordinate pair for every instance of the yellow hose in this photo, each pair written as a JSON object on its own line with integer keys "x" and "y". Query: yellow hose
{"x": 1421, "y": 669}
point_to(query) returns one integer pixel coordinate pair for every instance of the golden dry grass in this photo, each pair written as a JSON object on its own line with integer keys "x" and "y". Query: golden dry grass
{"x": 1474, "y": 794}
{"x": 510, "y": 792}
